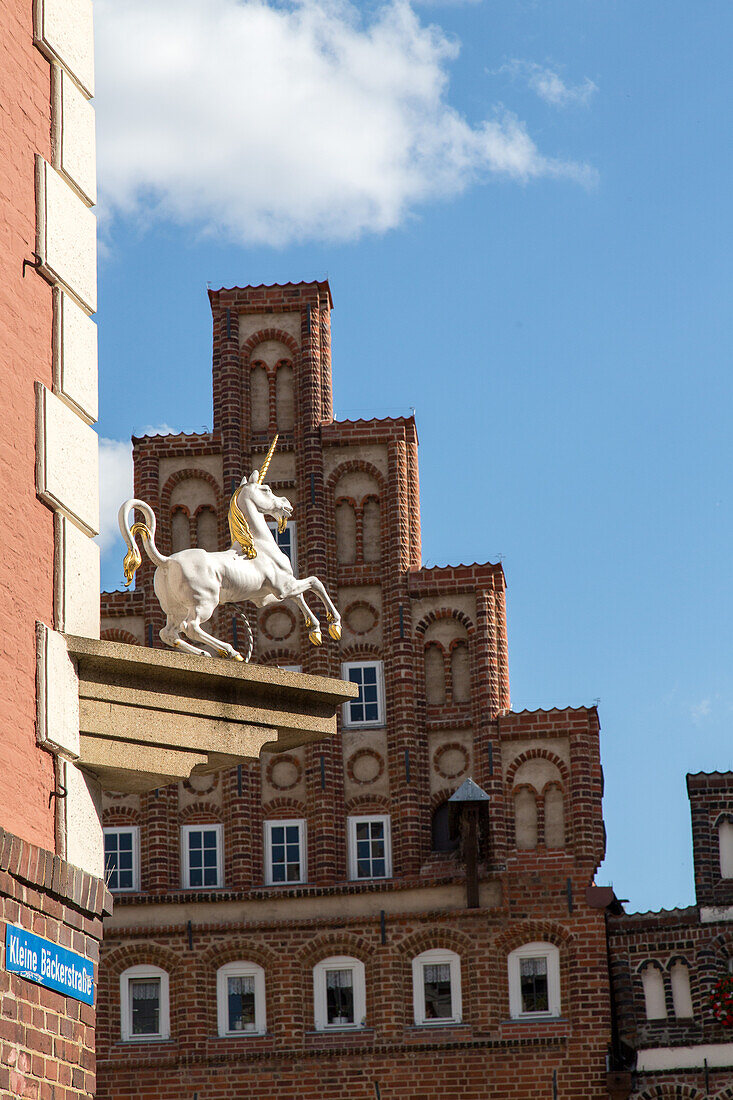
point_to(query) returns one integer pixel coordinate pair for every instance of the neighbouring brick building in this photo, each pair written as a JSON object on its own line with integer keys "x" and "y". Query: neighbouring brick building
{"x": 299, "y": 926}
{"x": 666, "y": 964}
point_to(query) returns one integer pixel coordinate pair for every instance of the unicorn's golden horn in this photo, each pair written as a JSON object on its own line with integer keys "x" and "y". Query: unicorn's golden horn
{"x": 268, "y": 458}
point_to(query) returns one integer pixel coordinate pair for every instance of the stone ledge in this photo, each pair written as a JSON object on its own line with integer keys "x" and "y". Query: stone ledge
{"x": 149, "y": 717}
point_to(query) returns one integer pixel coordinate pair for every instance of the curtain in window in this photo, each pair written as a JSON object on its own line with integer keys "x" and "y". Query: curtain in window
{"x": 145, "y": 1000}
{"x": 533, "y": 976}
{"x": 437, "y": 991}
{"x": 242, "y": 1003}
{"x": 340, "y": 996}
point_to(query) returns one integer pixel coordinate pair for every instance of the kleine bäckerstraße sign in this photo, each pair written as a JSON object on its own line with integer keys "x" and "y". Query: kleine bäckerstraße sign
{"x": 48, "y": 964}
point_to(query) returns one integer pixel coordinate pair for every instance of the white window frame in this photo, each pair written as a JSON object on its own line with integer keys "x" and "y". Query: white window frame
{"x": 135, "y": 831}
{"x": 437, "y": 957}
{"x": 320, "y": 1003}
{"x": 186, "y": 830}
{"x": 346, "y": 710}
{"x": 533, "y": 951}
{"x": 302, "y": 825}
{"x": 293, "y": 529}
{"x": 240, "y": 970}
{"x": 144, "y": 971}
{"x": 291, "y": 668}
{"x": 352, "y": 822}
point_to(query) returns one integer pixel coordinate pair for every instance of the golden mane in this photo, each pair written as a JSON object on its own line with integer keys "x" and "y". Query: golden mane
{"x": 239, "y": 528}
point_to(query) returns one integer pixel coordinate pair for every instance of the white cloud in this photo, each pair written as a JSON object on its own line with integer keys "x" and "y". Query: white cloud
{"x": 292, "y": 120}
{"x": 550, "y": 86}
{"x": 115, "y": 485}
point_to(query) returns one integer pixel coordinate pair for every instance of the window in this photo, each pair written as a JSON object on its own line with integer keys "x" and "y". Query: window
{"x": 122, "y": 858}
{"x": 370, "y": 854}
{"x": 534, "y": 981}
{"x": 443, "y": 839}
{"x": 287, "y": 541}
{"x": 725, "y": 848}
{"x": 202, "y": 856}
{"x": 285, "y": 854}
{"x": 679, "y": 975}
{"x": 652, "y": 981}
{"x": 339, "y": 993}
{"x": 291, "y": 668}
{"x": 368, "y": 708}
{"x": 436, "y": 987}
{"x": 240, "y": 999}
{"x": 144, "y": 1013}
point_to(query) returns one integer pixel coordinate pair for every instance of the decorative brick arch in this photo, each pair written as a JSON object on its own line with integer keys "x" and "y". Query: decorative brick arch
{"x": 361, "y": 652}
{"x": 368, "y": 804}
{"x": 440, "y": 936}
{"x": 115, "y": 816}
{"x": 114, "y": 634}
{"x": 357, "y": 465}
{"x": 272, "y": 657}
{"x": 283, "y": 807}
{"x": 269, "y": 334}
{"x": 141, "y": 954}
{"x": 533, "y": 931}
{"x": 445, "y": 613}
{"x": 534, "y": 754}
{"x": 655, "y": 963}
{"x": 238, "y": 948}
{"x": 441, "y": 796}
{"x": 203, "y": 813}
{"x": 337, "y": 942}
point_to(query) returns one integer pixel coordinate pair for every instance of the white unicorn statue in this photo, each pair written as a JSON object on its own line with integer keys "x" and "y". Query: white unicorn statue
{"x": 191, "y": 584}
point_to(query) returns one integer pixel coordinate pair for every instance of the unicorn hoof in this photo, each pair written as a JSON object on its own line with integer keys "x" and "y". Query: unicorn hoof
{"x": 316, "y": 637}
{"x": 335, "y": 631}
{"x": 237, "y": 657}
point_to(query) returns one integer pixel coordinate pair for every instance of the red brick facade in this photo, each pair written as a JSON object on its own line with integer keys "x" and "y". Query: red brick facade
{"x": 26, "y": 774}
{"x": 46, "y": 1038}
{"x": 441, "y": 637}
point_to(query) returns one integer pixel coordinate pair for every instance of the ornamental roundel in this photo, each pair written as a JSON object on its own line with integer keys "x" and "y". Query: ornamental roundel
{"x": 201, "y": 784}
{"x": 360, "y": 617}
{"x": 284, "y": 772}
{"x": 365, "y": 767}
{"x": 278, "y": 624}
{"x": 450, "y": 760}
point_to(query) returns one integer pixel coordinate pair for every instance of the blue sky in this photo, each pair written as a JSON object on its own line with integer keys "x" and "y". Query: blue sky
{"x": 524, "y": 214}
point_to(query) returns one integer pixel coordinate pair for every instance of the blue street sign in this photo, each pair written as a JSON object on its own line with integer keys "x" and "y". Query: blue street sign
{"x": 49, "y": 964}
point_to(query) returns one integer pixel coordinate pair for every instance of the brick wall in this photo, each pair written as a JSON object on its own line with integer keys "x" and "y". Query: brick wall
{"x": 47, "y": 1039}
{"x": 26, "y": 774}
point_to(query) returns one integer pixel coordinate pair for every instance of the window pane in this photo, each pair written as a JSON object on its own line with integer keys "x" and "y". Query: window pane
{"x": 285, "y": 852}
{"x": 370, "y": 849}
{"x": 203, "y": 848}
{"x": 118, "y": 860}
{"x": 533, "y": 978}
{"x": 366, "y": 707}
{"x": 436, "y": 981}
{"x": 145, "y": 1006}
{"x": 339, "y": 997}
{"x": 241, "y": 1003}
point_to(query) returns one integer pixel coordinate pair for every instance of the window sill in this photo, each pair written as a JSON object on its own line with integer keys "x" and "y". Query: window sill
{"x": 337, "y": 1029}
